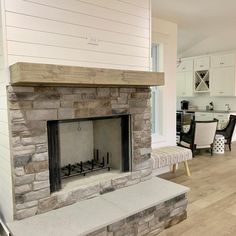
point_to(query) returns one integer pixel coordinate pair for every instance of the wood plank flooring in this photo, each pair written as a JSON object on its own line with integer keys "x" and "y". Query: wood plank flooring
{"x": 212, "y": 199}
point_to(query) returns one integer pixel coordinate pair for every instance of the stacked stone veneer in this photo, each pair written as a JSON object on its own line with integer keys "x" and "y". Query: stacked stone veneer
{"x": 31, "y": 107}
{"x": 149, "y": 222}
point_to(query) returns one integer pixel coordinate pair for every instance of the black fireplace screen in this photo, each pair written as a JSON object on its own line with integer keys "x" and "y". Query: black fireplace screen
{"x": 96, "y": 163}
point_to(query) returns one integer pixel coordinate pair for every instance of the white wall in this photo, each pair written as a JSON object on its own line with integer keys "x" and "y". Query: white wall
{"x": 64, "y": 32}
{"x": 6, "y": 202}
{"x": 166, "y": 32}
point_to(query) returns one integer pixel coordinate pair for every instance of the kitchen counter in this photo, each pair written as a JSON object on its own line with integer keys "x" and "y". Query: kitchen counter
{"x": 208, "y": 111}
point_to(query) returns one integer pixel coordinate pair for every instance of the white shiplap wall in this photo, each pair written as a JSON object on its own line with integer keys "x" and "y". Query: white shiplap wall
{"x": 94, "y": 33}
{"x": 6, "y": 202}
{"x": 63, "y": 32}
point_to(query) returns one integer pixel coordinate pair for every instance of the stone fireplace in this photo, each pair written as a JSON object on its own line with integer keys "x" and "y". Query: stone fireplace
{"x": 109, "y": 119}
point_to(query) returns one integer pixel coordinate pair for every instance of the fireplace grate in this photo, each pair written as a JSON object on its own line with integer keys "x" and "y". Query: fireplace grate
{"x": 84, "y": 168}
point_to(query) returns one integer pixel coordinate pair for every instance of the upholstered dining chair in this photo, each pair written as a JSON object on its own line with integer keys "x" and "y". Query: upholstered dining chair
{"x": 228, "y": 131}
{"x": 200, "y": 135}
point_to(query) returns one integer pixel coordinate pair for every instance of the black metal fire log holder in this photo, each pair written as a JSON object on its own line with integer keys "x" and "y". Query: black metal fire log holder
{"x": 84, "y": 168}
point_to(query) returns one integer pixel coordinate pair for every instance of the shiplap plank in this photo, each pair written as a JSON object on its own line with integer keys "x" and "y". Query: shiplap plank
{"x": 45, "y": 25}
{"x": 99, "y": 11}
{"x": 55, "y": 61}
{"x": 121, "y": 6}
{"x": 3, "y": 116}
{"x": 4, "y": 128}
{"x": 139, "y": 3}
{"x": 2, "y": 85}
{"x": 26, "y": 49}
{"x": 4, "y": 140}
{"x": 4, "y": 151}
{"x": 3, "y": 103}
{"x": 73, "y": 18}
{"x": 38, "y": 37}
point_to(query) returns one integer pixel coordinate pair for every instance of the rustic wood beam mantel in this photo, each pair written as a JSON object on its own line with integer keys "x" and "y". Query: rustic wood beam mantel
{"x": 24, "y": 74}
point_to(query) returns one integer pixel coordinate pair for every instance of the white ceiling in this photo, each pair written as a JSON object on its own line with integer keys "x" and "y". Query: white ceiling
{"x": 198, "y": 19}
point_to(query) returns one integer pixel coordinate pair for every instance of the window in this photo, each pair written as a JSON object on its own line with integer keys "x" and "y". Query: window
{"x": 157, "y": 92}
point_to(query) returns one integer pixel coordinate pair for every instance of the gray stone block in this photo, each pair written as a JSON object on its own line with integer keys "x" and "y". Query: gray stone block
{"x": 19, "y": 171}
{"x": 23, "y": 189}
{"x": 22, "y": 214}
{"x": 42, "y": 176}
{"x": 36, "y": 195}
{"x": 40, "y": 156}
{"x": 23, "y": 180}
{"x": 21, "y": 161}
{"x": 22, "y": 151}
{"x": 40, "y": 184}
{"x": 26, "y": 205}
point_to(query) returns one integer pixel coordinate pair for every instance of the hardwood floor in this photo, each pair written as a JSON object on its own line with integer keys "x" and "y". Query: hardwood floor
{"x": 212, "y": 199}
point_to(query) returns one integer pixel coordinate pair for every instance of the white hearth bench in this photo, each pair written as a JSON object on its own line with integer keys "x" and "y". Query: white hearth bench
{"x": 171, "y": 156}
{"x": 112, "y": 212}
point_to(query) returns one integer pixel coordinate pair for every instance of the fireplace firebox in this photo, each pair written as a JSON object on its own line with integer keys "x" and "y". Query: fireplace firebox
{"x": 85, "y": 146}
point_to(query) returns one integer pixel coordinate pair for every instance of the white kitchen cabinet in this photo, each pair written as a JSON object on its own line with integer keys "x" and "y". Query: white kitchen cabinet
{"x": 202, "y": 63}
{"x": 203, "y": 116}
{"x": 185, "y": 65}
{"x": 222, "y": 118}
{"x": 184, "y": 79}
{"x": 222, "y": 81}
{"x": 184, "y": 84}
{"x": 222, "y": 60}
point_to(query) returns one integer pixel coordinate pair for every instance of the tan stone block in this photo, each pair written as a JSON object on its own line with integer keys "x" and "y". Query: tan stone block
{"x": 67, "y": 104}
{"x": 41, "y": 114}
{"x": 103, "y": 92}
{"x": 84, "y": 90}
{"x": 36, "y": 167}
{"x": 127, "y": 90}
{"x": 47, "y": 204}
{"x": 114, "y": 92}
{"x": 20, "y": 105}
{"x": 82, "y": 113}
{"x": 64, "y": 90}
{"x": 46, "y": 104}
{"x": 141, "y": 95}
{"x": 86, "y": 192}
{"x": 66, "y": 113}
{"x": 175, "y": 220}
{"x": 18, "y": 89}
{"x": 70, "y": 97}
{"x": 33, "y": 140}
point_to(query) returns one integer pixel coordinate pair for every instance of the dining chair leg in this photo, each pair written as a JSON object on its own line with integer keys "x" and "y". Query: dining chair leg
{"x": 174, "y": 168}
{"x": 187, "y": 169}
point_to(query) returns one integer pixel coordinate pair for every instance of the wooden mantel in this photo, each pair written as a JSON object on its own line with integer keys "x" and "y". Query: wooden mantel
{"x": 57, "y": 75}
